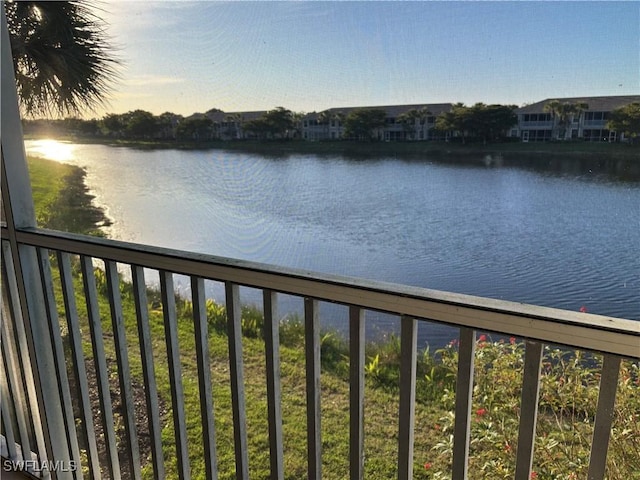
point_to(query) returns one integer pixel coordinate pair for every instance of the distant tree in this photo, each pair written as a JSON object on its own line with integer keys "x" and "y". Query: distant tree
{"x": 562, "y": 112}
{"x": 276, "y": 123}
{"x": 77, "y": 126}
{"x": 195, "y": 128}
{"x": 167, "y": 123}
{"x": 626, "y": 120}
{"x": 490, "y": 122}
{"x": 324, "y": 119}
{"x": 486, "y": 122}
{"x": 363, "y": 123}
{"x": 61, "y": 56}
{"x": 458, "y": 119}
{"x": 280, "y": 121}
{"x": 141, "y": 124}
{"x": 412, "y": 118}
{"x": 113, "y": 125}
{"x": 258, "y": 127}
{"x": 233, "y": 121}
{"x": 296, "y": 118}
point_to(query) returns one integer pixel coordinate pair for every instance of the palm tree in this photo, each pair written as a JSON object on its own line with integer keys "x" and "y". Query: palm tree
{"x": 61, "y": 56}
{"x": 339, "y": 118}
{"x": 410, "y": 118}
{"x": 323, "y": 119}
{"x": 562, "y": 111}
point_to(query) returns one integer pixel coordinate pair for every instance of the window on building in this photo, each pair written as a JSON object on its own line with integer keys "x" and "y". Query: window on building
{"x": 595, "y": 116}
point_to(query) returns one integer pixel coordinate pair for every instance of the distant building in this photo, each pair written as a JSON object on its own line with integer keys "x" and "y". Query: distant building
{"x": 402, "y": 122}
{"x": 416, "y": 122}
{"x": 537, "y": 124}
{"x": 229, "y": 125}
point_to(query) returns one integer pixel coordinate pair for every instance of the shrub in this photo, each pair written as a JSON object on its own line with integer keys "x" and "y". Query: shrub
{"x": 568, "y": 398}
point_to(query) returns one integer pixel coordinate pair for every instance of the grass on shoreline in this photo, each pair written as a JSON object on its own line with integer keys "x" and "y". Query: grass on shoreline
{"x": 61, "y": 198}
{"x": 568, "y": 391}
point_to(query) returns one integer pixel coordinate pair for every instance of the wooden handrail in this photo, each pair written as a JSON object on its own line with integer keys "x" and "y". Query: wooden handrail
{"x": 549, "y": 325}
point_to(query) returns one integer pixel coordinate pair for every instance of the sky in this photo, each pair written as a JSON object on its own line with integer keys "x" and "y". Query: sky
{"x": 186, "y": 57}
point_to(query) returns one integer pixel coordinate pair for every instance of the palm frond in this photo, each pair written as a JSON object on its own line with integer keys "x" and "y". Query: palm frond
{"x": 62, "y": 58}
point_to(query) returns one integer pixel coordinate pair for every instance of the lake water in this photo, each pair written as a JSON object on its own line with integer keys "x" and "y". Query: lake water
{"x": 563, "y": 233}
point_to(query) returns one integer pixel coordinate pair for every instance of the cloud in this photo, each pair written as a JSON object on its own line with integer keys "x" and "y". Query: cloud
{"x": 152, "y": 80}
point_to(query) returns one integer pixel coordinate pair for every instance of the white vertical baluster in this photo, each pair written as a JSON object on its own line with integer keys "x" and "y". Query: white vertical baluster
{"x": 75, "y": 340}
{"x": 356, "y": 393}
{"x": 604, "y": 417}
{"x": 100, "y": 363}
{"x": 201, "y": 328}
{"x": 528, "y": 409}
{"x": 464, "y": 393}
{"x": 124, "y": 375}
{"x": 274, "y": 393}
{"x": 175, "y": 373}
{"x": 312, "y": 354}
{"x": 408, "y": 351}
{"x": 148, "y": 371}
{"x": 236, "y": 367}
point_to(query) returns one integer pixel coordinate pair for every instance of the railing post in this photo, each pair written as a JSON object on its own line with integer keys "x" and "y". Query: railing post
{"x": 274, "y": 393}
{"x": 201, "y": 328}
{"x": 124, "y": 375}
{"x": 528, "y": 409}
{"x": 236, "y": 372}
{"x": 78, "y": 362}
{"x": 312, "y": 354}
{"x": 11, "y": 393}
{"x": 464, "y": 394}
{"x": 604, "y": 416}
{"x": 101, "y": 367}
{"x": 19, "y": 212}
{"x": 148, "y": 371}
{"x": 167, "y": 293}
{"x": 408, "y": 350}
{"x": 58, "y": 351}
{"x": 356, "y": 393}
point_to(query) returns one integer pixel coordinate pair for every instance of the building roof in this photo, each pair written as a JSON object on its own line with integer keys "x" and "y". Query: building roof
{"x": 392, "y": 110}
{"x": 219, "y": 116}
{"x": 596, "y": 104}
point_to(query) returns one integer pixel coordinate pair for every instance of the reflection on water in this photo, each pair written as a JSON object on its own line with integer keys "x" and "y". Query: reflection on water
{"x": 52, "y": 149}
{"x": 556, "y": 233}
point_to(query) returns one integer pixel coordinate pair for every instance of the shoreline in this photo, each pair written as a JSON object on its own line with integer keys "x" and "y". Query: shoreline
{"x": 62, "y": 198}
{"x": 618, "y": 161}
{"x": 410, "y": 150}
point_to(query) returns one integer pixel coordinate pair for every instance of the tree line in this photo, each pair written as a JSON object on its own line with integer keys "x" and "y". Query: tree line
{"x": 486, "y": 121}
{"x": 479, "y": 122}
{"x": 278, "y": 123}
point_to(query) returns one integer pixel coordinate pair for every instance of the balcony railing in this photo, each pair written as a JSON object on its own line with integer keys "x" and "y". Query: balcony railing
{"x": 528, "y": 124}
{"x": 595, "y": 123}
{"x": 28, "y": 347}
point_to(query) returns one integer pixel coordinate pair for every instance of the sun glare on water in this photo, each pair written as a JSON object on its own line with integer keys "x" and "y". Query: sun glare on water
{"x": 52, "y": 150}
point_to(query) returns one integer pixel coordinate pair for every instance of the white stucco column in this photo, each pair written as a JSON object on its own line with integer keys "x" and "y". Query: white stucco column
{"x": 19, "y": 213}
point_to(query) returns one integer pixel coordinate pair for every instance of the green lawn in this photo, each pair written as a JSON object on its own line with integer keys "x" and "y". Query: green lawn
{"x": 61, "y": 198}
